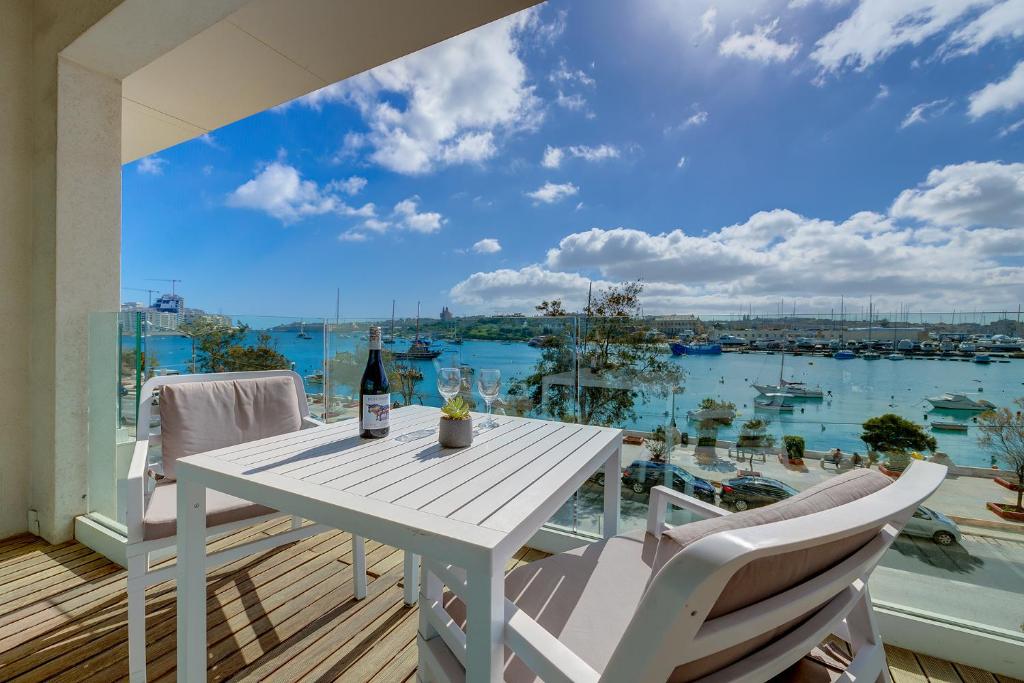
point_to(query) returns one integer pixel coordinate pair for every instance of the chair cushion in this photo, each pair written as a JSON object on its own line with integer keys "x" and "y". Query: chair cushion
{"x": 161, "y": 517}
{"x": 765, "y": 577}
{"x": 584, "y": 597}
{"x": 196, "y": 417}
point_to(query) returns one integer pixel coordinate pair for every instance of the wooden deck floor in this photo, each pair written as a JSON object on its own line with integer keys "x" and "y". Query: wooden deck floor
{"x": 284, "y": 615}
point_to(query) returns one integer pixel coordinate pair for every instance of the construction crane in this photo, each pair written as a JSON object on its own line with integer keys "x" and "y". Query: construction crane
{"x": 160, "y": 279}
{"x": 151, "y": 292}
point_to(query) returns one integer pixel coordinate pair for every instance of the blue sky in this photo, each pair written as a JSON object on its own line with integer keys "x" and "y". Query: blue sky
{"x": 731, "y": 154}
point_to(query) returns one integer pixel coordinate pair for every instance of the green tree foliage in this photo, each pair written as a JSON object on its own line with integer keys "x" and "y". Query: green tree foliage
{"x": 794, "y": 446}
{"x": 891, "y": 432}
{"x": 222, "y": 348}
{"x": 1002, "y": 432}
{"x": 613, "y": 355}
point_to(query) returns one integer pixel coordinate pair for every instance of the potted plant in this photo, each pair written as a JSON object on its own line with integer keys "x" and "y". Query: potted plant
{"x": 657, "y": 445}
{"x": 456, "y": 427}
{"x": 1002, "y": 433}
{"x": 794, "y": 446}
{"x": 896, "y": 438}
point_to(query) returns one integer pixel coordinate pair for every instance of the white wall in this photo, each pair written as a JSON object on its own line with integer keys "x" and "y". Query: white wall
{"x": 15, "y": 245}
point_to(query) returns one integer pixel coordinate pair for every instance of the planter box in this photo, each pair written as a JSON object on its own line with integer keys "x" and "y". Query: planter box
{"x": 1007, "y": 484}
{"x": 895, "y": 474}
{"x": 1000, "y": 510}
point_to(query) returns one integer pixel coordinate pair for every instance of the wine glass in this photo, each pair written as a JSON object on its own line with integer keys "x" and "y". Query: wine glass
{"x": 488, "y": 383}
{"x": 449, "y": 381}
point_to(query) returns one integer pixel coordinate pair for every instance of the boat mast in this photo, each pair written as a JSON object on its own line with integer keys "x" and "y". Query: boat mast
{"x": 417, "y": 321}
{"x": 392, "y": 320}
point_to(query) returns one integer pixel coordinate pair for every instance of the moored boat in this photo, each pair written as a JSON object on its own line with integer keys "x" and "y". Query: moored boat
{"x": 949, "y": 426}
{"x": 955, "y": 401}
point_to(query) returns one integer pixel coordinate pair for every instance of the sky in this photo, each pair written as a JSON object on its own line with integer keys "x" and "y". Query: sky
{"x": 731, "y": 154}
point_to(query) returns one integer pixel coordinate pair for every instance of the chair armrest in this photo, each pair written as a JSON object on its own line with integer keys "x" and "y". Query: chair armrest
{"x": 546, "y": 656}
{"x": 662, "y": 496}
{"x": 135, "y": 491}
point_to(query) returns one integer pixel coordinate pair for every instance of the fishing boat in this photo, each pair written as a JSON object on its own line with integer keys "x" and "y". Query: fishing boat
{"x": 777, "y": 402}
{"x": 949, "y": 426}
{"x": 954, "y": 401}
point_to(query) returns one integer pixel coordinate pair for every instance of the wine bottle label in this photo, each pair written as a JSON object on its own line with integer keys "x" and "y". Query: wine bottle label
{"x": 376, "y": 411}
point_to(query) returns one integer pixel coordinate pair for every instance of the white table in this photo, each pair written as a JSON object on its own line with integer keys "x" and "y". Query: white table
{"x": 473, "y": 507}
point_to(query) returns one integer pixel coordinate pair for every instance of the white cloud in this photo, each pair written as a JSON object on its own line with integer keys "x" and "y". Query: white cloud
{"x": 877, "y": 28}
{"x": 972, "y": 194}
{"x": 697, "y": 119}
{"x": 352, "y": 236}
{"x": 408, "y": 216}
{"x": 1011, "y": 129}
{"x": 564, "y": 74}
{"x": 957, "y": 240}
{"x": 552, "y": 157}
{"x": 279, "y": 190}
{"x": 883, "y": 92}
{"x": 549, "y": 192}
{"x": 351, "y": 186}
{"x": 209, "y": 140}
{"x": 151, "y": 165}
{"x": 707, "y": 23}
{"x": 1005, "y": 20}
{"x": 926, "y": 111}
{"x": 376, "y": 225}
{"x": 1007, "y": 94}
{"x": 488, "y": 245}
{"x": 759, "y": 45}
{"x": 572, "y": 102}
{"x": 446, "y": 104}
{"x": 681, "y": 162}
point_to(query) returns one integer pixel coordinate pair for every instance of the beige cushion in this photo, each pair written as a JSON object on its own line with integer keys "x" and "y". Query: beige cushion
{"x": 584, "y": 597}
{"x": 196, "y": 417}
{"x": 161, "y": 517}
{"x": 769, "y": 576}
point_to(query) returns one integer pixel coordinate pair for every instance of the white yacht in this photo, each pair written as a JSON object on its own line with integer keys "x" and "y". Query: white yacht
{"x": 776, "y": 401}
{"x": 952, "y": 401}
{"x": 784, "y": 386}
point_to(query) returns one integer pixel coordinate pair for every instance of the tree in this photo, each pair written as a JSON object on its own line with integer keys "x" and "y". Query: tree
{"x": 222, "y": 348}
{"x": 404, "y": 379}
{"x": 896, "y": 437}
{"x": 1002, "y": 432}
{"x": 621, "y": 367}
{"x": 551, "y": 309}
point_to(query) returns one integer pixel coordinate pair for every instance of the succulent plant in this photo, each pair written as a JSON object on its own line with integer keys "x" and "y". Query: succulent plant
{"x": 456, "y": 409}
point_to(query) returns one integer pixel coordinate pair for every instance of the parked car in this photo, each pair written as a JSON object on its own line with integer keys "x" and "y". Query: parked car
{"x": 932, "y": 524}
{"x": 753, "y": 492}
{"x": 643, "y": 475}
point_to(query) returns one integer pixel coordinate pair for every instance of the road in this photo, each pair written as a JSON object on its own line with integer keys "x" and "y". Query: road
{"x": 980, "y": 580}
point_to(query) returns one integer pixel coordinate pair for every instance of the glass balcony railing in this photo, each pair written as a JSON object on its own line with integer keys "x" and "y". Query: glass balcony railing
{"x": 738, "y": 411}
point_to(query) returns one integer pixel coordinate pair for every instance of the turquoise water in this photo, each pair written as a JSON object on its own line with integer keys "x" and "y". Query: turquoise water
{"x": 860, "y": 389}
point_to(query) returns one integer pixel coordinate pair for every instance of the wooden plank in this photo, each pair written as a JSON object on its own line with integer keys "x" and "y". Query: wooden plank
{"x": 1007, "y": 679}
{"x": 401, "y": 667}
{"x": 937, "y": 670}
{"x": 971, "y": 675}
{"x": 374, "y": 663}
{"x": 904, "y": 666}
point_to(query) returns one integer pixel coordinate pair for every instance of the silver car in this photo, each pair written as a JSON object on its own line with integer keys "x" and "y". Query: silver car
{"x": 932, "y": 524}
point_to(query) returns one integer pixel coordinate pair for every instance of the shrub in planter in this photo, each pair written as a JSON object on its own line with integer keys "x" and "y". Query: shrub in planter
{"x": 1002, "y": 433}
{"x": 794, "y": 447}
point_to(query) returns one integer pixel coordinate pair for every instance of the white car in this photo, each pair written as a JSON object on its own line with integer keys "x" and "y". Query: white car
{"x": 932, "y": 524}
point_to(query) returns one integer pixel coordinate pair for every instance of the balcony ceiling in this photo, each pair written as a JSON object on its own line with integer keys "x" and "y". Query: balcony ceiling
{"x": 262, "y": 54}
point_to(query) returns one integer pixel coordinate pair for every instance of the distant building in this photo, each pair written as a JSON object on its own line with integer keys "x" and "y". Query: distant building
{"x": 684, "y": 326}
{"x": 446, "y": 314}
{"x": 165, "y": 316}
{"x": 170, "y": 303}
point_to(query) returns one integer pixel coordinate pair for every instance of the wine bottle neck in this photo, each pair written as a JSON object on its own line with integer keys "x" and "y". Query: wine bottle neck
{"x": 374, "y": 354}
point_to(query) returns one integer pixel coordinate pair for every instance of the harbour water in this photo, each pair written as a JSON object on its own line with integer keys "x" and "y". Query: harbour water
{"x": 859, "y": 389}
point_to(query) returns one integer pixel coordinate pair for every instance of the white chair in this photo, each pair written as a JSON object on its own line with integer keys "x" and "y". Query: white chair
{"x": 737, "y": 598}
{"x": 201, "y": 413}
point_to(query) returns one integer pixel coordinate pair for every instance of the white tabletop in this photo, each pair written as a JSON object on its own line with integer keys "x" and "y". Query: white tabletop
{"x": 478, "y": 495}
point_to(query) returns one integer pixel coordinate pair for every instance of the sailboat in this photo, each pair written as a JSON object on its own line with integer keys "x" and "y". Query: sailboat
{"x": 419, "y": 349}
{"x": 870, "y": 354}
{"x": 775, "y": 401}
{"x": 390, "y": 338}
{"x": 302, "y": 331}
{"x": 843, "y": 353}
{"x": 895, "y": 355}
{"x": 796, "y": 389}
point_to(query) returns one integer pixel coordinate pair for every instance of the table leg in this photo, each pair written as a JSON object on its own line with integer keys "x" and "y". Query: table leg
{"x": 485, "y": 622}
{"x": 358, "y": 567}
{"x": 431, "y": 591}
{"x": 412, "y": 576}
{"x": 612, "y": 492}
{"x": 191, "y": 581}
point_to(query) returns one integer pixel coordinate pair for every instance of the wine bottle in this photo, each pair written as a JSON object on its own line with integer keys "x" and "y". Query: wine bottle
{"x": 375, "y": 393}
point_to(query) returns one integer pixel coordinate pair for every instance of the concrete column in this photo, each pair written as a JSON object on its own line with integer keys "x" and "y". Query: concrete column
{"x": 76, "y": 271}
